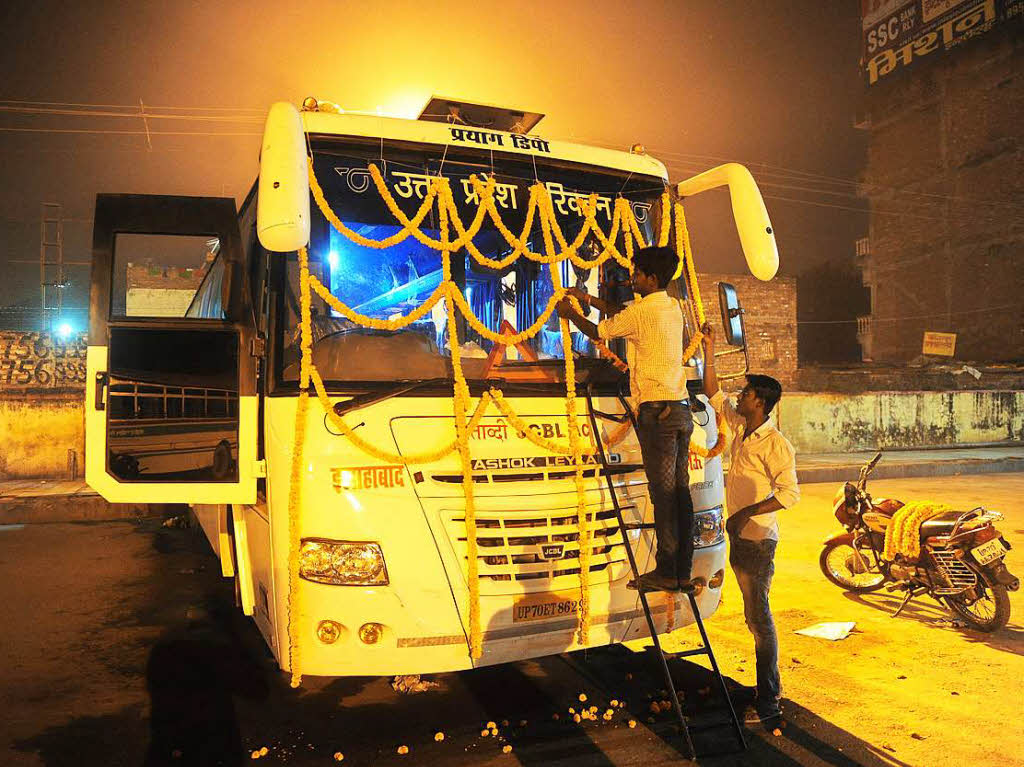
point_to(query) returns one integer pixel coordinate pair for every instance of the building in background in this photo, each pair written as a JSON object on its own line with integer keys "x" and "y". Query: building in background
{"x": 155, "y": 290}
{"x": 944, "y": 109}
{"x": 769, "y": 320}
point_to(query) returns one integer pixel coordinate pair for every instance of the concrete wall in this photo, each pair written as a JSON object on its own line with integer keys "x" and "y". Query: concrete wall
{"x": 42, "y": 380}
{"x": 832, "y": 423}
{"x": 36, "y": 433}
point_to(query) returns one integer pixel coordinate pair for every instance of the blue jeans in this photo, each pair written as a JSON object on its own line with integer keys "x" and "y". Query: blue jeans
{"x": 754, "y": 564}
{"x": 664, "y": 430}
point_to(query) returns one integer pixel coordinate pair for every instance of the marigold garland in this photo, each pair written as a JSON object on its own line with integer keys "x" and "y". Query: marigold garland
{"x": 439, "y": 193}
{"x": 387, "y": 242}
{"x": 295, "y": 484}
{"x": 903, "y": 535}
{"x": 686, "y": 255}
{"x": 583, "y": 529}
{"x": 462, "y": 441}
{"x": 383, "y": 455}
{"x": 521, "y": 426}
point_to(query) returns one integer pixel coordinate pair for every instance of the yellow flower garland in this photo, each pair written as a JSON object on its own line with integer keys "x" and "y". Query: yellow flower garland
{"x": 903, "y": 535}
{"x": 520, "y": 426}
{"x": 686, "y": 256}
{"x": 295, "y": 484}
{"x": 387, "y": 242}
{"x": 439, "y": 192}
{"x": 583, "y": 529}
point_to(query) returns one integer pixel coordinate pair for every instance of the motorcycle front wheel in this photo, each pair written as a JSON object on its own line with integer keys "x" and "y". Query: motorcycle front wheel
{"x": 838, "y": 562}
{"x": 986, "y": 607}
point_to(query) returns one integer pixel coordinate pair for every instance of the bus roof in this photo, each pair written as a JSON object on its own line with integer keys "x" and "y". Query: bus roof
{"x": 421, "y": 131}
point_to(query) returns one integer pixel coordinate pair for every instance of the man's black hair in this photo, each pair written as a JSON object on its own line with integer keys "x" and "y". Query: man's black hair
{"x": 766, "y": 389}
{"x": 657, "y": 261}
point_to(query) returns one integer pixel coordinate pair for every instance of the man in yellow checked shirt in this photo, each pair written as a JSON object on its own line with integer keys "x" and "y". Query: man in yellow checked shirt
{"x": 653, "y": 324}
{"x": 761, "y": 481}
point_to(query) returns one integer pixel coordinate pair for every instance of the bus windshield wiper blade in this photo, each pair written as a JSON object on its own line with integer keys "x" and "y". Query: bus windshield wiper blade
{"x": 373, "y": 397}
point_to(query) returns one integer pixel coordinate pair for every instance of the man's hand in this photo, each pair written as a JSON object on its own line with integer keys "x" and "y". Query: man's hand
{"x": 708, "y": 335}
{"x": 735, "y": 522}
{"x": 566, "y": 311}
{"x": 579, "y": 294}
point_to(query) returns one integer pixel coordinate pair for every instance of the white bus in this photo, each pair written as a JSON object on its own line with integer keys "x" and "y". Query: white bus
{"x": 380, "y": 580}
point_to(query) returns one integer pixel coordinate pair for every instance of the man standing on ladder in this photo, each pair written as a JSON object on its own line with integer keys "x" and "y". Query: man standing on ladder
{"x": 761, "y": 481}
{"x": 653, "y": 325}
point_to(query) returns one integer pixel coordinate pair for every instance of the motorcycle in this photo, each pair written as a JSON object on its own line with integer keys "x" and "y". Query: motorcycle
{"x": 961, "y": 562}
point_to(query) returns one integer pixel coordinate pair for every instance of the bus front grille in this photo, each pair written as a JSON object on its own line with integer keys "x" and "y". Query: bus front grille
{"x": 540, "y": 547}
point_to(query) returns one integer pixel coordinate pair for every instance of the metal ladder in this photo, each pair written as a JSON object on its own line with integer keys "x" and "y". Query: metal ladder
{"x": 624, "y": 528}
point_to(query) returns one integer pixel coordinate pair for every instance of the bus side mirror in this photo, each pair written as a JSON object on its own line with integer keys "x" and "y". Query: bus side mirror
{"x": 732, "y": 315}
{"x": 282, "y": 207}
{"x": 752, "y": 223}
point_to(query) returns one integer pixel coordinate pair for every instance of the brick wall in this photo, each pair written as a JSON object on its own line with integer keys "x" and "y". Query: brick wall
{"x": 770, "y": 324}
{"x": 950, "y": 257}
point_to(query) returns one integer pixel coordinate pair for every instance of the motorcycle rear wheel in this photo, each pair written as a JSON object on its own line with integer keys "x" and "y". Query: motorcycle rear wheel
{"x": 835, "y": 562}
{"x": 990, "y": 611}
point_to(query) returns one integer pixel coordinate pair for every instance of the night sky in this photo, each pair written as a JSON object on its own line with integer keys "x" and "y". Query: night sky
{"x": 774, "y": 85}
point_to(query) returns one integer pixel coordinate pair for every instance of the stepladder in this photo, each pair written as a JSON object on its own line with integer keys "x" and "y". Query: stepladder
{"x": 690, "y": 591}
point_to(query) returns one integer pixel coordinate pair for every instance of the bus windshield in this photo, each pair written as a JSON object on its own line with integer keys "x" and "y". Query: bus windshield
{"x": 391, "y": 282}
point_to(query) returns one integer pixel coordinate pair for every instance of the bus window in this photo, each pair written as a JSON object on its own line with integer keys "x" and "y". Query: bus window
{"x": 391, "y": 282}
{"x": 157, "y": 275}
{"x": 207, "y": 303}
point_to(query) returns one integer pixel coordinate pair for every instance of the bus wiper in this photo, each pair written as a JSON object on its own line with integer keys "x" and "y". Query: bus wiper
{"x": 371, "y": 398}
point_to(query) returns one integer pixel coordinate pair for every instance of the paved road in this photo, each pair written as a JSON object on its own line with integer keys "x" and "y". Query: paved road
{"x": 101, "y": 620}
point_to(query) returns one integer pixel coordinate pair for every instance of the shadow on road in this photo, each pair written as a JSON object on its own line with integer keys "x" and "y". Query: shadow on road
{"x": 807, "y": 737}
{"x": 216, "y": 694}
{"x": 927, "y": 612}
{"x": 192, "y": 677}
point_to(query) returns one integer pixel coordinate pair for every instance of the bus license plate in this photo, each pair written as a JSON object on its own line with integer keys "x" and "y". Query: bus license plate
{"x": 540, "y": 607}
{"x": 989, "y": 551}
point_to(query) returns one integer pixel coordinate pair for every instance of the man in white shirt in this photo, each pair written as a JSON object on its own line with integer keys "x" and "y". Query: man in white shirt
{"x": 653, "y": 325}
{"x": 761, "y": 481}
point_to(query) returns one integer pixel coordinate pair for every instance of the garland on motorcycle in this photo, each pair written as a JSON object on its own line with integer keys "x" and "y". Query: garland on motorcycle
{"x": 960, "y": 560}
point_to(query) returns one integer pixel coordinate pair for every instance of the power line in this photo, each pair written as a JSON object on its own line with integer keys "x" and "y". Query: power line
{"x": 133, "y": 106}
{"x": 129, "y": 132}
{"x": 988, "y": 216}
{"x": 782, "y": 171}
{"x": 959, "y": 211}
{"x": 912, "y": 316}
{"x": 146, "y": 112}
{"x": 255, "y": 115}
{"x": 785, "y": 173}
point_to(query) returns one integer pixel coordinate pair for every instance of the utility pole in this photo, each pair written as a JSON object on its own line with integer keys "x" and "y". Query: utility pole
{"x": 51, "y": 262}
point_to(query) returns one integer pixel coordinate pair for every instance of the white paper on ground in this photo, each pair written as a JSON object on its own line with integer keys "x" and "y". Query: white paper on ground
{"x": 831, "y": 631}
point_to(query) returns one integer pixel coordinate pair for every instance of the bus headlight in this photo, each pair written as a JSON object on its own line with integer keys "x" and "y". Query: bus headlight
{"x": 342, "y": 563}
{"x": 708, "y": 528}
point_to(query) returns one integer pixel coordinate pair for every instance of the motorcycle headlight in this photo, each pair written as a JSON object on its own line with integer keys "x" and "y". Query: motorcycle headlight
{"x": 342, "y": 563}
{"x": 708, "y": 528}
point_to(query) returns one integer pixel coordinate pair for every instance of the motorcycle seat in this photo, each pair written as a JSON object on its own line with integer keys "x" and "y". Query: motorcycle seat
{"x": 940, "y": 525}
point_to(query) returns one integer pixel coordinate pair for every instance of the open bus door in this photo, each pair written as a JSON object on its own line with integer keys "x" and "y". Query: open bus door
{"x": 171, "y": 407}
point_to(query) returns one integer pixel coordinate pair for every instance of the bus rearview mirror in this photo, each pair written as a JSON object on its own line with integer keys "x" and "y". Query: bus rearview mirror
{"x": 732, "y": 315}
{"x": 752, "y": 223}
{"x": 282, "y": 207}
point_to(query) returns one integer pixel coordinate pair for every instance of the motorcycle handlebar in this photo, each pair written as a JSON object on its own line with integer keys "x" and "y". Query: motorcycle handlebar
{"x": 866, "y": 469}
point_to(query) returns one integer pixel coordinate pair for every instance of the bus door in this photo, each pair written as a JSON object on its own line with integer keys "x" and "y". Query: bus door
{"x": 170, "y": 402}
